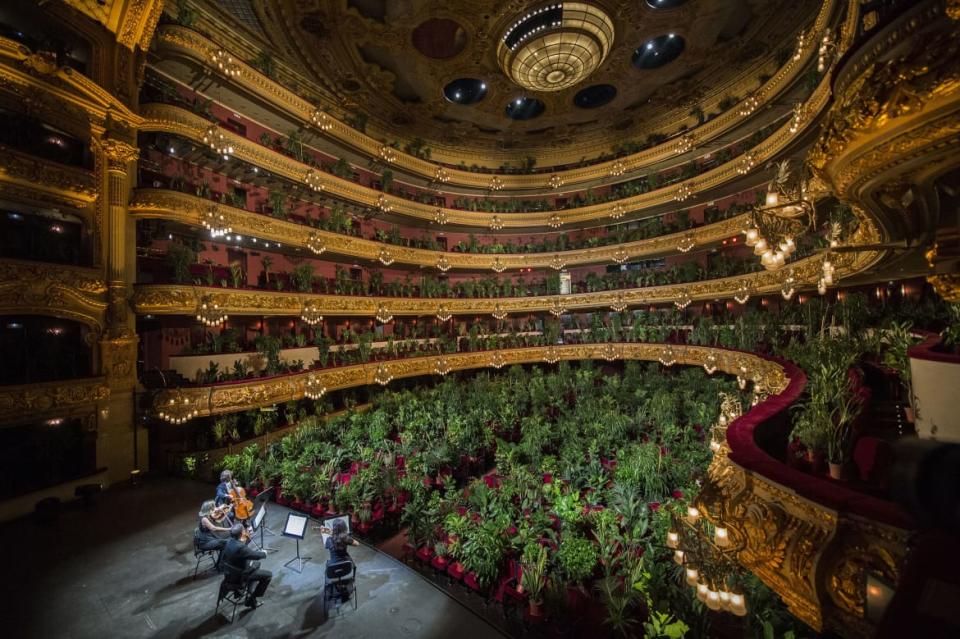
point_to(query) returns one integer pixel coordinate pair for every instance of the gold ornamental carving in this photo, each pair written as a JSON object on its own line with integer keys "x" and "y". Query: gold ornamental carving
{"x": 50, "y": 181}
{"x": 47, "y": 289}
{"x": 947, "y": 286}
{"x": 57, "y": 399}
{"x": 118, "y": 359}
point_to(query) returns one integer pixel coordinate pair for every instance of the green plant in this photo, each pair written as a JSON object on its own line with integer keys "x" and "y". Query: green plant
{"x": 577, "y": 557}
{"x": 896, "y": 341}
{"x": 180, "y": 257}
{"x": 534, "y": 575}
{"x": 483, "y": 552}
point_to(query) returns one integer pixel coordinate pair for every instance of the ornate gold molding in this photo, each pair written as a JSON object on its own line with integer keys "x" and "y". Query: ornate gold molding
{"x": 132, "y": 21}
{"x": 51, "y": 399}
{"x": 165, "y": 299}
{"x": 178, "y": 121}
{"x": 173, "y": 39}
{"x": 52, "y": 289}
{"x": 22, "y": 174}
{"x": 227, "y": 398}
{"x": 947, "y": 286}
{"x": 189, "y": 209}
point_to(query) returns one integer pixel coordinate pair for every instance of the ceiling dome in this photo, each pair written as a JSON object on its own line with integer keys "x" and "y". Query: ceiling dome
{"x": 555, "y": 46}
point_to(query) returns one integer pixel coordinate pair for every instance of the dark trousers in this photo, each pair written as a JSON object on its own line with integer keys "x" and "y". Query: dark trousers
{"x": 262, "y": 579}
{"x": 213, "y": 544}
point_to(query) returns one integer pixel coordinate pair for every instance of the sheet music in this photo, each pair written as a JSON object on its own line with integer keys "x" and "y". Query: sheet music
{"x": 296, "y": 526}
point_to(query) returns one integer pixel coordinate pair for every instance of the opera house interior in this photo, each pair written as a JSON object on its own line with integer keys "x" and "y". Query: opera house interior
{"x": 370, "y": 318}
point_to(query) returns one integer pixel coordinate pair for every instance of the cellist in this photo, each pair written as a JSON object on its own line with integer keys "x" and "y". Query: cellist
{"x": 230, "y": 492}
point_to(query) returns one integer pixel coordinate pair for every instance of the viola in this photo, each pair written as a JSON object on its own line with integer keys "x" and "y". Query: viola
{"x": 242, "y": 507}
{"x": 218, "y": 513}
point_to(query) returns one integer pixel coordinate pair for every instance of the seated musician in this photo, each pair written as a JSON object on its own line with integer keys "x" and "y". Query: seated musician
{"x": 229, "y": 492}
{"x": 223, "y": 488}
{"x": 211, "y": 531}
{"x": 234, "y": 561}
{"x": 338, "y": 541}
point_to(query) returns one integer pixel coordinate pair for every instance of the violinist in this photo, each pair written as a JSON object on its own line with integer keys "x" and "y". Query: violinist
{"x": 213, "y": 527}
{"x": 238, "y": 562}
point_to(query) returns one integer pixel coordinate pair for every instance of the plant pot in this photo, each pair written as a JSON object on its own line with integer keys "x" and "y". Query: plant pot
{"x": 910, "y": 413}
{"x": 535, "y": 608}
{"x": 836, "y": 471}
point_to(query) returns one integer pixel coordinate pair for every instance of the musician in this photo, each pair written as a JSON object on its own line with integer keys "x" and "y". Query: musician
{"x": 223, "y": 489}
{"x": 229, "y": 492}
{"x": 338, "y": 541}
{"x": 234, "y": 560}
{"x": 211, "y": 531}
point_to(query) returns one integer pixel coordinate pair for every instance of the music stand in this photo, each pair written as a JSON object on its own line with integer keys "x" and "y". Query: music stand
{"x": 259, "y": 501}
{"x": 258, "y": 523}
{"x": 296, "y": 527}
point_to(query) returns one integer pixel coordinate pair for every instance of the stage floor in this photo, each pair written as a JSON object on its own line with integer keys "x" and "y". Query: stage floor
{"x": 124, "y": 568}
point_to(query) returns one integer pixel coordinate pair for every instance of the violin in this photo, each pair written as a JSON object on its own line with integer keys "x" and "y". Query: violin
{"x": 219, "y": 512}
{"x": 242, "y": 507}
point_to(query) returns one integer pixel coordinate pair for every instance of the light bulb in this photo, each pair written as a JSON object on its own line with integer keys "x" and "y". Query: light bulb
{"x": 673, "y": 539}
{"x": 722, "y": 537}
{"x": 724, "y": 599}
{"x": 738, "y": 605}
{"x": 692, "y": 575}
{"x": 678, "y": 557}
{"x": 767, "y": 258}
{"x": 702, "y": 590}
{"x": 692, "y": 514}
{"x": 761, "y": 246}
{"x": 753, "y": 236}
{"x": 713, "y": 599}
{"x": 773, "y": 198}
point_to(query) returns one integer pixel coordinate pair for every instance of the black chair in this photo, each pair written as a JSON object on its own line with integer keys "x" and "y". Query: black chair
{"x": 202, "y": 554}
{"x": 234, "y": 589}
{"x": 340, "y": 582}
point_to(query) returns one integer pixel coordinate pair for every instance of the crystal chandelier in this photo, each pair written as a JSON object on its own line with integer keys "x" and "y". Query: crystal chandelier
{"x": 496, "y": 223}
{"x": 742, "y": 294}
{"x": 557, "y": 263}
{"x": 384, "y": 204}
{"x": 787, "y": 289}
{"x": 801, "y": 46}
{"x": 609, "y": 352}
{"x": 620, "y": 255}
{"x": 216, "y": 221}
{"x": 554, "y": 221}
{"x": 787, "y": 212}
{"x": 495, "y": 184}
{"x": 209, "y": 313}
{"x": 497, "y": 360}
{"x": 382, "y": 376}
{"x": 441, "y": 175}
{"x": 498, "y": 266}
{"x": 798, "y": 117}
{"x": 552, "y": 355}
{"x": 747, "y": 161}
{"x": 217, "y": 141}
{"x": 498, "y": 312}
{"x": 178, "y": 409}
{"x": 667, "y": 356}
{"x": 385, "y": 256}
{"x": 225, "y": 63}
{"x": 684, "y": 191}
{"x": 443, "y": 264}
{"x": 321, "y": 120}
{"x": 315, "y": 244}
{"x": 313, "y": 180}
{"x": 311, "y": 314}
{"x": 827, "y": 271}
{"x": 618, "y": 210}
{"x": 441, "y": 366}
{"x": 443, "y": 314}
{"x": 685, "y": 144}
{"x": 383, "y": 315}
{"x": 618, "y": 168}
{"x": 440, "y": 216}
{"x": 710, "y": 364}
{"x": 683, "y": 300}
{"x": 555, "y": 181}
{"x": 619, "y": 303}
{"x": 313, "y": 389}
{"x": 557, "y": 307}
{"x": 388, "y": 153}
{"x": 827, "y": 49}
{"x": 686, "y": 243}
{"x": 749, "y": 105}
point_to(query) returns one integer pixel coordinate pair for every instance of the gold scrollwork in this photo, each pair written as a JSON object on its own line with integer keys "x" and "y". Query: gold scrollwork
{"x": 46, "y": 289}
{"x": 31, "y": 401}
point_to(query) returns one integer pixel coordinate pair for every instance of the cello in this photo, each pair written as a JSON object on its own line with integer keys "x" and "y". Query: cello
{"x": 242, "y": 507}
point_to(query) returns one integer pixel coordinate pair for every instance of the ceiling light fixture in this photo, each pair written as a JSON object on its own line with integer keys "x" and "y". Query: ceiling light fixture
{"x": 321, "y": 120}
{"x": 385, "y": 256}
{"x": 618, "y": 168}
{"x": 495, "y": 184}
{"x": 225, "y": 63}
{"x": 313, "y": 180}
{"x": 498, "y": 312}
{"x": 315, "y": 244}
{"x": 216, "y": 221}
{"x": 313, "y": 389}
{"x": 217, "y": 141}
{"x": 618, "y": 210}
{"x": 496, "y": 223}
{"x": 209, "y": 313}
{"x": 383, "y": 315}
{"x": 311, "y": 314}
{"x": 440, "y": 216}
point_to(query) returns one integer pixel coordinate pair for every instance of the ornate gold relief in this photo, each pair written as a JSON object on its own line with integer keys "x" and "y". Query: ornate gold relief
{"x": 56, "y": 399}
{"x": 48, "y": 289}
{"x": 49, "y": 181}
{"x": 118, "y": 359}
{"x": 947, "y": 286}
{"x": 132, "y": 21}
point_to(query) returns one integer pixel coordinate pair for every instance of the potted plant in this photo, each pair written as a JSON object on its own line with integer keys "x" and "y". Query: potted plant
{"x": 533, "y": 576}
{"x": 897, "y": 340}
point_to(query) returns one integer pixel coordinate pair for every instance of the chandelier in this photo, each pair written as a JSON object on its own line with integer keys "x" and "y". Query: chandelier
{"x": 618, "y": 168}
{"x": 743, "y": 293}
{"x": 311, "y": 314}
{"x": 620, "y": 255}
{"x": 554, "y": 221}
{"x": 495, "y": 184}
{"x": 827, "y": 271}
{"x": 313, "y": 389}
{"x": 441, "y": 175}
{"x": 685, "y": 144}
{"x": 667, "y": 356}
{"x": 498, "y": 266}
{"x": 225, "y": 63}
{"x": 609, "y": 352}
{"x": 749, "y": 105}
{"x": 555, "y": 181}
{"x": 441, "y": 366}
{"x": 619, "y": 303}
{"x": 787, "y": 289}
{"x": 798, "y": 117}
{"x": 315, "y": 244}
{"x": 552, "y": 355}
{"x": 383, "y": 204}
{"x": 710, "y": 364}
{"x": 618, "y": 210}
{"x": 498, "y": 312}
{"x": 217, "y": 141}
{"x": 313, "y": 180}
{"x": 388, "y": 153}
{"x": 801, "y": 46}
{"x": 443, "y": 314}
{"x": 216, "y": 221}
{"x": 686, "y": 243}
{"x": 385, "y": 256}
{"x": 440, "y": 216}
{"x": 443, "y": 264}
{"x": 497, "y": 360}
{"x": 787, "y": 212}
{"x": 321, "y": 120}
{"x": 709, "y": 559}
{"x": 827, "y": 48}
{"x": 383, "y": 315}
{"x": 557, "y": 307}
{"x": 382, "y": 376}
{"x": 747, "y": 161}
{"x": 178, "y": 409}
{"x": 557, "y": 263}
{"x": 496, "y": 223}
{"x": 684, "y": 191}
{"x": 556, "y": 46}
{"x": 683, "y": 300}
{"x": 209, "y": 313}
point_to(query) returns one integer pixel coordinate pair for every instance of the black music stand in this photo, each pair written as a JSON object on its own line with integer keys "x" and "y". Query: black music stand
{"x": 296, "y": 527}
{"x": 259, "y": 522}
{"x": 259, "y": 502}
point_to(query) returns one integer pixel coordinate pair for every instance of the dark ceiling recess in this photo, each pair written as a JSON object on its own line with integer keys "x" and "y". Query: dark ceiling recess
{"x": 595, "y": 96}
{"x": 465, "y": 91}
{"x": 525, "y": 108}
{"x": 439, "y": 38}
{"x": 665, "y": 4}
{"x": 658, "y": 51}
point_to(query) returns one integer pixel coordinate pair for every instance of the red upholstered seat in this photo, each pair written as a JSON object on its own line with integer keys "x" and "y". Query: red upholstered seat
{"x": 456, "y": 570}
{"x": 440, "y": 563}
{"x": 425, "y": 554}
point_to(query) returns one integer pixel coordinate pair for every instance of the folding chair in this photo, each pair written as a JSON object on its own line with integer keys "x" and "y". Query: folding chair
{"x": 340, "y": 579}
{"x": 201, "y": 554}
